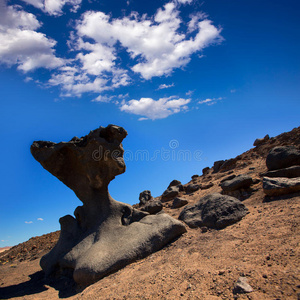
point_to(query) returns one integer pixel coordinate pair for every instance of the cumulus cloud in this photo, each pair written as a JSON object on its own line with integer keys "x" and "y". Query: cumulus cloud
{"x": 155, "y": 109}
{"x": 165, "y": 86}
{"x": 156, "y": 43}
{"x": 28, "y": 222}
{"x": 21, "y": 44}
{"x": 40, "y": 219}
{"x": 210, "y": 101}
{"x": 54, "y": 7}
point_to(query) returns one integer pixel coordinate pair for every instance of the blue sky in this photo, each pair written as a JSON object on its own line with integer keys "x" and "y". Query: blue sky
{"x": 191, "y": 81}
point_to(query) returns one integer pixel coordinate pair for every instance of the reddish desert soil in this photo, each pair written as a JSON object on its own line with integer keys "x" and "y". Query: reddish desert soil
{"x": 263, "y": 246}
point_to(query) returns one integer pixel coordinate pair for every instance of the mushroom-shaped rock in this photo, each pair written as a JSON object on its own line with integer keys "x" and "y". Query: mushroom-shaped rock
{"x": 105, "y": 235}
{"x": 283, "y": 157}
{"x": 214, "y": 211}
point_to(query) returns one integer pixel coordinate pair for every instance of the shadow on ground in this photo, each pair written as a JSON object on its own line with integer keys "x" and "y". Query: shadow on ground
{"x": 38, "y": 284}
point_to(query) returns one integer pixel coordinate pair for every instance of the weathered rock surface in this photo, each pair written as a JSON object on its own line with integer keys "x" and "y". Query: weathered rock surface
{"x": 170, "y": 193}
{"x": 237, "y": 183}
{"x": 283, "y": 157}
{"x": 259, "y": 142}
{"x": 228, "y": 178}
{"x": 214, "y": 211}
{"x": 195, "y": 176}
{"x": 179, "y": 202}
{"x": 290, "y": 172}
{"x": 217, "y": 165}
{"x": 192, "y": 188}
{"x": 280, "y": 186}
{"x": 144, "y": 197}
{"x": 205, "y": 171}
{"x": 229, "y": 164}
{"x": 174, "y": 183}
{"x": 105, "y": 235}
{"x": 152, "y": 207}
{"x": 242, "y": 286}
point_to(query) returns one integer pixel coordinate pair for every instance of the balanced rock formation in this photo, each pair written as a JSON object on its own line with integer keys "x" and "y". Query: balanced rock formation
{"x": 213, "y": 211}
{"x": 105, "y": 235}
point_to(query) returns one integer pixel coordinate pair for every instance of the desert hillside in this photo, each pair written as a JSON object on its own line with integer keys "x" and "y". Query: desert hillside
{"x": 204, "y": 263}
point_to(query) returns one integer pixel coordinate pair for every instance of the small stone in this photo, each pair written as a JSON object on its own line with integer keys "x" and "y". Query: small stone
{"x": 242, "y": 286}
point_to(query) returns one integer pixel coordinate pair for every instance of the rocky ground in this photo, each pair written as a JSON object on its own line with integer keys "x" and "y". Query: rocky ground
{"x": 202, "y": 264}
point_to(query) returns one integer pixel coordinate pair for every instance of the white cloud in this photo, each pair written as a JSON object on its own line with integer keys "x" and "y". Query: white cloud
{"x": 40, "y": 219}
{"x": 54, "y": 7}
{"x": 21, "y": 44}
{"x": 28, "y": 222}
{"x": 155, "y": 109}
{"x": 103, "y": 98}
{"x": 155, "y": 42}
{"x": 185, "y": 1}
{"x": 233, "y": 91}
{"x": 165, "y": 86}
{"x": 210, "y": 101}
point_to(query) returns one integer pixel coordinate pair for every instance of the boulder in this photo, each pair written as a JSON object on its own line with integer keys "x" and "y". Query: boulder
{"x": 194, "y": 176}
{"x": 283, "y": 157}
{"x": 205, "y": 171}
{"x": 242, "y": 286}
{"x": 144, "y": 197}
{"x": 228, "y": 164}
{"x": 174, "y": 183}
{"x": 179, "y": 202}
{"x": 280, "y": 186}
{"x": 217, "y": 165}
{"x": 214, "y": 211}
{"x": 290, "y": 172}
{"x": 237, "y": 183}
{"x": 152, "y": 207}
{"x": 191, "y": 188}
{"x": 259, "y": 142}
{"x": 170, "y": 193}
{"x": 105, "y": 234}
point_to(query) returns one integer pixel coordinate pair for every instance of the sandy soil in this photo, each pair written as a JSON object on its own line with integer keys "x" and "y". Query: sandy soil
{"x": 264, "y": 247}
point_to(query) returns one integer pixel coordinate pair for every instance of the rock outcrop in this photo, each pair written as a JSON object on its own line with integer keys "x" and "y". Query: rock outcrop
{"x": 214, "y": 211}
{"x": 170, "y": 193}
{"x": 281, "y": 186}
{"x": 152, "y": 207}
{"x": 290, "y": 172}
{"x": 105, "y": 235}
{"x": 259, "y": 142}
{"x": 179, "y": 202}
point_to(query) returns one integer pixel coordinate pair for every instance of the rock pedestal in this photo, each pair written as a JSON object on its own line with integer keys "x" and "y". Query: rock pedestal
{"x": 105, "y": 235}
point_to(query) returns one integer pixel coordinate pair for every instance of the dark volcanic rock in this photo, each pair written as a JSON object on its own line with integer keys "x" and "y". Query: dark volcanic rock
{"x": 192, "y": 188}
{"x": 205, "y": 171}
{"x": 259, "y": 142}
{"x": 179, "y": 202}
{"x": 144, "y": 197}
{"x": 283, "y": 157}
{"x": 290, "y": 172}
{"x": 281, "y": 186}
{"x": 237, "y": 183}
{"x": 194, "y": 176}
{"x": 170, "y": 193}
{"x": 217, "y": 165}
{"x": 105, "y": 235}
{"x": 152, "y": 207}
{"x": 228, "y": 178}
{"x": 214, "y": 211}
{"x": 174, "y": 183}
{"x": 229, "y": 164}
